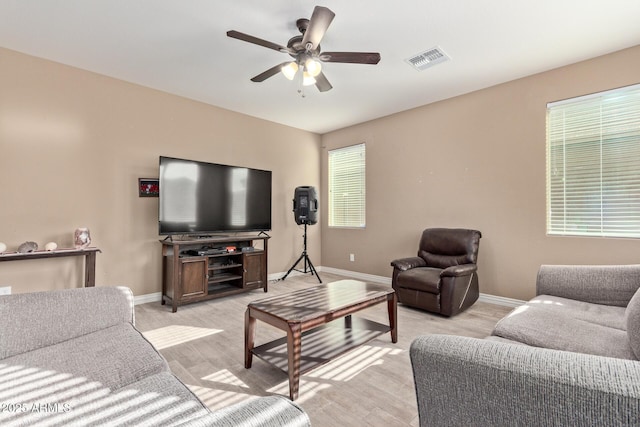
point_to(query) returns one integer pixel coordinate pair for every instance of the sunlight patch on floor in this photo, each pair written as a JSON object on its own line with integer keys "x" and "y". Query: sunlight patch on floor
{"x": 225, "y": 376}
{"x": 351, "y": 364}
{"x": 308, "y": 389}
{"x": 342, "y": 369}
{"x": 176, "y": 334}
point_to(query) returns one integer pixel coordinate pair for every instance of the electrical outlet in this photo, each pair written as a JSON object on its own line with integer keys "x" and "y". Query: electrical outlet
{"x": 5, "y": 290}
{"x": 352, "y": 257}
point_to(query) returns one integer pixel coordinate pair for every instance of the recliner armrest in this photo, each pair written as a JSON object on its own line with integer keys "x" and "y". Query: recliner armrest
{"x": 459, "y": 270}
{"x": 404, "y": 264}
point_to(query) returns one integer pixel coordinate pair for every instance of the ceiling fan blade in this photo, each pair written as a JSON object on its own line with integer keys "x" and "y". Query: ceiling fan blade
{"x": 251, "y": 39}
{"x": 322, "y": 83}
{"x": 318, "y": 24}
{"x": 351, "y": 57}
{"x": 269, "y": 73}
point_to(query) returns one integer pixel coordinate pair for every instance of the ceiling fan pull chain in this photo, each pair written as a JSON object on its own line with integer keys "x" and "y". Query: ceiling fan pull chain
{"x": 300, "y": 85}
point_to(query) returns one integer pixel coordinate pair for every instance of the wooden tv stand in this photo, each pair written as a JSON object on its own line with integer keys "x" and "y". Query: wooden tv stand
{"x": 191, "y": 277}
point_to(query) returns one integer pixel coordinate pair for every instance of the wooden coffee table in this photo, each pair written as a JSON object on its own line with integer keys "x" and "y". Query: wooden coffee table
{"x": 310, "y": 315}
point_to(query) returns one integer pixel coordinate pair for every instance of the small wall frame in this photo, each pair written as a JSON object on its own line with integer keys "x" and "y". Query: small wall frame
{"x": 148, "y": 187}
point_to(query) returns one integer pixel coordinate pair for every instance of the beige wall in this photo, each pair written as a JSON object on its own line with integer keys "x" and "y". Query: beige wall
{"x": 73, "y": 145}
{"x": 475, "y": 161}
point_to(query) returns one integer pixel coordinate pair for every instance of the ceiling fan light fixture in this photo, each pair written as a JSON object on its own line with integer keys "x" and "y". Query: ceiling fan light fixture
{"x": 307, "y": 79}
{"x": 313, "y": 67}
{"x": 290, "y": 70}
{"x": 306, "y": 52}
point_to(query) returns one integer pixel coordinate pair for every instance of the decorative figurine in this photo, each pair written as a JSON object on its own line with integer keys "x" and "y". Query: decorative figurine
{"x": 51, "y": 246}
{"x": 82, "y": 238}
{"x": 3, "y": 247}
{"x": 27, "y": 247}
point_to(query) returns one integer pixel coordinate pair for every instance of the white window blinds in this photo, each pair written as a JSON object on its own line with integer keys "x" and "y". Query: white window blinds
{"x": 593, "y": 165}
{"x": 347, "y": 187}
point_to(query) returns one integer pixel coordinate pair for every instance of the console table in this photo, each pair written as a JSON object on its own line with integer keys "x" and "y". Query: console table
{"x": 89, "y": 255}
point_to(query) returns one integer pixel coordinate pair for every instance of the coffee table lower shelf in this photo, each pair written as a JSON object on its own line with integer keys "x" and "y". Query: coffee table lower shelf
{"x": 324, "y": 343}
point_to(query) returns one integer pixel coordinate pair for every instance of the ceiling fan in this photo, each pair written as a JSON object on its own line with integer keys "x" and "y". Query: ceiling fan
{"x": 306, "y": 53}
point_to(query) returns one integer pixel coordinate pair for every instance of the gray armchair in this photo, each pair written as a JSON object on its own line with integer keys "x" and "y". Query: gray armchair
{"x": 443, "y": 277}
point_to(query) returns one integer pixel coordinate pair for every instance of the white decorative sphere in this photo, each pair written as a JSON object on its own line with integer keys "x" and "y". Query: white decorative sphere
{"x": 51, "y": 246}
{"x": 3, "y": 247}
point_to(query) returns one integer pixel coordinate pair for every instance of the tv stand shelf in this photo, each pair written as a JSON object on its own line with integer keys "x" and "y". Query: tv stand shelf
{"x": 188, "y": 277}
{"x": 224, "y": 277}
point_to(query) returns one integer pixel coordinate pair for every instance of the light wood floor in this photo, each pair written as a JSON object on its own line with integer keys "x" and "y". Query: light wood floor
{"x": 372, "y": 385}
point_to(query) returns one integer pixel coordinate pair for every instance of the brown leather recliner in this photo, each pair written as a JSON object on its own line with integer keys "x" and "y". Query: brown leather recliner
{"x": 443, "y": 277}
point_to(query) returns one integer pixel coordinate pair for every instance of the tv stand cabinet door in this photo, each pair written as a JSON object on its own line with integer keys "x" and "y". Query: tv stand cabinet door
{"x": 255, "y": 270}
{"x": 193, "y": 277}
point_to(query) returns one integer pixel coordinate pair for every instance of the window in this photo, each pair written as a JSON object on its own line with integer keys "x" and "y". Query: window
{"x": 593, "y": 165}
{"x": 347, "y": 187}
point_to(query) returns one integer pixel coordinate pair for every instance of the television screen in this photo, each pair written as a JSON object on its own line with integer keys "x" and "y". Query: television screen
{"x": 200, "y": 198}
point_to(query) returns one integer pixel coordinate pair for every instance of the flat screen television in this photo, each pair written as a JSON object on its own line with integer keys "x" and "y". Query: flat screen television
{"x": 199, "y": 198}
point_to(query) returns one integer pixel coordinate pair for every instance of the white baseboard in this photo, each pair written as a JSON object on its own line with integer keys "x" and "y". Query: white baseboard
{"x": 278, "y": 276}
{"x": 157, "y": 296}
{"x": 143, "y": 299}
{"x": 356, "y": 275}
{"x": 494, "y": 299}
{"x": 491, "y": 299}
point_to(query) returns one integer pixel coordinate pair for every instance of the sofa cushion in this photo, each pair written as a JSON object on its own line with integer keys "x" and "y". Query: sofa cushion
{"x": 605, "y": 315}
{"x": 597, "y": 284}
{"x": 159, "y": 399}
{"x": 113, "y": 358}
{"x": 632, "y": 323}
{"x": 425, "y": 279}
{"x": 32, "y": 320}
{"x": 555, "y": 327}
{"x": 495, "y": 338}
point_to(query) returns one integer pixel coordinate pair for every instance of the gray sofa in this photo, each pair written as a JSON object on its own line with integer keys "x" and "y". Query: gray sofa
{"x": 74, "y": 357}
{"x": 567, "y": 357}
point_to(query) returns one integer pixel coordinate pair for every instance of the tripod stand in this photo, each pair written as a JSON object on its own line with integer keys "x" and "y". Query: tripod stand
{"x": 306, "y": 259}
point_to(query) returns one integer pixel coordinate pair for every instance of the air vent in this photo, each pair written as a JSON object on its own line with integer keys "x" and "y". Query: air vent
{"x": 427, "y": 59}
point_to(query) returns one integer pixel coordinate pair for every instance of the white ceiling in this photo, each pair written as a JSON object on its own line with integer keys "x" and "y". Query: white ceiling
{"x": 181, "y": 47}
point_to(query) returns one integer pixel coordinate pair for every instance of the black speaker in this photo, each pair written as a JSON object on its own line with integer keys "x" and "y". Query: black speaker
{"x": 305, "y": 205}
